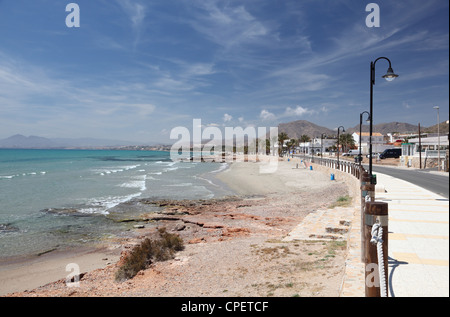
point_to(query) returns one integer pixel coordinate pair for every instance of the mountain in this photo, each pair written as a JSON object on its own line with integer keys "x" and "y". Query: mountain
{"x": 385, "y": 128}
{"x": 443, "y": 128}
{"x": 90, "y": 142}
{"x": 296, "y": 129}
{"x": 19, "y": 141}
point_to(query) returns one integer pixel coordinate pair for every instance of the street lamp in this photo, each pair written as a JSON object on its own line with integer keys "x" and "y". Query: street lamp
{"x": 343, "y": 130}
{"x": 360, "y": 132}
{"x": 439, "y": 139}
{"x": 389, "y": 76}
{"x": 321, "y": 144}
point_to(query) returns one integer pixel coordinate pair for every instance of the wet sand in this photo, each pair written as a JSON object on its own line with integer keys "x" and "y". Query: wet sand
{"x": 20, "y": 274}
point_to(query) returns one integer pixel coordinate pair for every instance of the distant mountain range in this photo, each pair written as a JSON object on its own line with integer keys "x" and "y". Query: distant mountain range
{"x": 296, "y": 129}
{"x": 19, "y": 141}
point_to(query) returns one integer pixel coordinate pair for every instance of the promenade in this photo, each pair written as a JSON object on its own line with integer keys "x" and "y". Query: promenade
{"x": 418, "y": 246}
{"x": 418, "y": 241}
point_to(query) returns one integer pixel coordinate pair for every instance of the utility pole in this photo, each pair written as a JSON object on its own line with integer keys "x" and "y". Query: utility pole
{"x": 420, "y": 149}
{"x": 439, "y": 140}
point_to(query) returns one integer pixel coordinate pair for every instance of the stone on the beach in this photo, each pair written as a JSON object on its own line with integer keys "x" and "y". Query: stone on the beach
{"x": 179, "y": 227}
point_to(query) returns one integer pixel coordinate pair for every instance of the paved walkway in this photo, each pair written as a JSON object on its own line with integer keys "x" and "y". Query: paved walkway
{"x": 418, "y": 240}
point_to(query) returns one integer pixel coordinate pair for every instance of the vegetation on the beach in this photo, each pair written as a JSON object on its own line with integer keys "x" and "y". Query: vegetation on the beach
{"x": 148, "y": 252}
{"x": 343, "y": 201}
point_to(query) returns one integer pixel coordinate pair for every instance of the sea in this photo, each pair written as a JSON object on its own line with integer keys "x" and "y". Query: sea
{"x": 53, "y": 199}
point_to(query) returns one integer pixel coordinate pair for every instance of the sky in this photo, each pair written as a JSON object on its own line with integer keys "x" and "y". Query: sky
{"x": 136, "y": 69}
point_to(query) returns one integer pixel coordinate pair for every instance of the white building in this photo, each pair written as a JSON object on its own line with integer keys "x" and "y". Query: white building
{"x": 316, "y": 146}
{"x": 430, "y": 150}
{"x": 378, "y": 144}
{"x": 429, "y": 146}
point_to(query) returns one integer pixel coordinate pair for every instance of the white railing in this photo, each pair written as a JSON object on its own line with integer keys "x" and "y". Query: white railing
{"x": 434, "y": 154}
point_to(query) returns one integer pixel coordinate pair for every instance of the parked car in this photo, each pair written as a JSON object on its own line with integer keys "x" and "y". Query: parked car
{"x": 391, "y": 153}
{"x": 351, "y": 153}
{"x": 375, "y": 155}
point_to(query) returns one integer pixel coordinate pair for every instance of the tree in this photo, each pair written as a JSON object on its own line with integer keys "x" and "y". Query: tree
{"x": 290, "y": 144}
{"x": 346, "y": 141}
{"x": 304, "y": 138}
{"x": 267, "y": 146}
{"x": 281, "y": 138}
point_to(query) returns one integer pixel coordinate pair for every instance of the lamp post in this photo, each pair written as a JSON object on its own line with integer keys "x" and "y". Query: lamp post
{"x": 321, "y": 144}
{"x": 360, "y": 132}
{"x": 343, "y": 130}
{"x": 439, "y": 139}
{"x": 389, "y": 76}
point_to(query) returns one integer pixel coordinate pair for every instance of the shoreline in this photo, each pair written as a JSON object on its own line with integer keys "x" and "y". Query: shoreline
{"x": 255, "y": 193}
{"x": 26, "y": 273}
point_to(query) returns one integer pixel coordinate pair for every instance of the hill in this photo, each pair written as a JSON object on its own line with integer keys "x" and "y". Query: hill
{"x": 19, "y": 141}
{"x": 385, "y": 128}
{"x": 298, "y": 128}
{"x": 295, "y": 129}
{"x": 443, "y": 128}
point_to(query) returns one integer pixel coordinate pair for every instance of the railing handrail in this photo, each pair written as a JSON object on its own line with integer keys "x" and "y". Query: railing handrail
{"x": 345, "y": 166}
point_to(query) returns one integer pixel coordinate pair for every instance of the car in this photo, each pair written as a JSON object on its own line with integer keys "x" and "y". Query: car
{"x": 373, "y": 155}
{"x": 351, "y": 153}
{"x": 391, "y": 153}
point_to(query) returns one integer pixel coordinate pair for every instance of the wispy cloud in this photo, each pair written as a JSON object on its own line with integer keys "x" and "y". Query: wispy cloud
{"x": 136, "y": 12}
{"x": 293, "y": 113}
{"x": 35, "y": 97}
{"x": 226, "y": 25}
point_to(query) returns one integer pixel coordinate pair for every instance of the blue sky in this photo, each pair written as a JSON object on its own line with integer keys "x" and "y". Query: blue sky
{"x": 135, "y": 69}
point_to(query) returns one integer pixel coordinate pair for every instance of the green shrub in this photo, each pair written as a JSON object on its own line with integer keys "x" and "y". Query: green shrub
{"x": 343, "y": 201}
{"x": 149, "y": 251}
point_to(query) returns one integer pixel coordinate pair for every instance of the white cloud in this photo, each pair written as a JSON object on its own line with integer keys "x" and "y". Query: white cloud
{"x": 289, "y": 112}
{"x": 199, "y": 69}
{"x": 226, "y": 25}
{"x": 406, "y": 105}
{"x": 143, "y": 109}
{"x": 227, "y": 117}
{"x": 297, "y": 112}
{"x": 266, "y": 115}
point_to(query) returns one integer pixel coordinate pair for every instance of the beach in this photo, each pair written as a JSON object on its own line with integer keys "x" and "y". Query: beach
{"x": 233, "y": 245}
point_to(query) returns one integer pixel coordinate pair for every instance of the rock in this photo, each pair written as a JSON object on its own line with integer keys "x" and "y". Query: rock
{"x": 336, "y": 230}
{"x": 230, "y": 232}
{"x": 8, "y": 228}
{"x": 138, "y": 226}
{"x": 65, "y": 211}
{"x": 179, "y": 227}
{"x": 196, "y": 240}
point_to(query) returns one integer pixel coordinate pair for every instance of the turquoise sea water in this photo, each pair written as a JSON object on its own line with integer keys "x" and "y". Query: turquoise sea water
{"x": 54, "y": 198}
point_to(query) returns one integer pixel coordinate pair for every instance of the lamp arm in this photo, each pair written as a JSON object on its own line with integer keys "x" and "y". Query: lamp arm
{"x": 390, "y": 66}
{"x": 372, "y": 67}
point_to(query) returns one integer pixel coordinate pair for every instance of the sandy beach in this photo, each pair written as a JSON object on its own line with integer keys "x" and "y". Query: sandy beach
{"x": 233, "y": 246}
